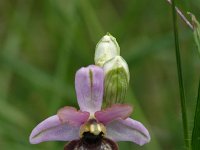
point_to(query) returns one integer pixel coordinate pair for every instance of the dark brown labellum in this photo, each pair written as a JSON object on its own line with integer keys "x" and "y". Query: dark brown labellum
{"x": 91, "y": 139}
{"x": 92, "y": 143}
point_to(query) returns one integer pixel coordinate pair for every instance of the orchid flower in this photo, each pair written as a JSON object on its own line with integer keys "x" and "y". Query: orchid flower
{"x": 90, "y": 127}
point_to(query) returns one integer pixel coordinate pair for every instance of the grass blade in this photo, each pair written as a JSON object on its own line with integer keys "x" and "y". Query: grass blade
{"x": 180, "y": 79}
{"x": 181, "y": 15}
{"x": 196, "y": 129}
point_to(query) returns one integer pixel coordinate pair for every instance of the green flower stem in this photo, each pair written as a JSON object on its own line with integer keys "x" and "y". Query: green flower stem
{"x": 180, "y": 79}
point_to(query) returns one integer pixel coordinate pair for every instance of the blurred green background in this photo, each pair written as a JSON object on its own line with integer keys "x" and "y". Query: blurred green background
{"x": 44, "y": 42}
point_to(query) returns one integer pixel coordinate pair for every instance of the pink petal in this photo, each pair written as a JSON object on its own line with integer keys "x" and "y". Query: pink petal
{"x": 89, "y": 88}
{"x": 71, "y": 115}
{"x": 128, "y": 130}
{"x": 114, "y": 112}
{"x": 52, "y": 129}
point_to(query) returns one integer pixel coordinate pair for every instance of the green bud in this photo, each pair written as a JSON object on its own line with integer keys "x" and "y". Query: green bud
{"x": 196, "y": 29}
{"x": 106, "y": 49}
{"x": 116, "y": 80}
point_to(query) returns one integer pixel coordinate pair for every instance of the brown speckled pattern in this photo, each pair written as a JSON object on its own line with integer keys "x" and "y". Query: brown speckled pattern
{"x": 105, "y": 144}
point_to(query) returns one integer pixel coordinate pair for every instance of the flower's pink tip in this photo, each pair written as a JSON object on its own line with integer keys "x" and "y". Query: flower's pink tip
{"x": 71, "y": 115}
{"x": 52, "y": 129}
{"x": 89, "y": 88}
{"x": 116, "y": 111}
{"x": 128, "y": 130}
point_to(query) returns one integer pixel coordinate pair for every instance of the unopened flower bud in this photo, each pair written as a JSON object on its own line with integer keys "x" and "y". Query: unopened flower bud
{"x": 116, "y": 80}
{"x": 106, "y": 49}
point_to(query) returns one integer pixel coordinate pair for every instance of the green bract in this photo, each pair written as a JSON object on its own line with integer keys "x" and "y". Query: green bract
{"x": 116, "y": 80}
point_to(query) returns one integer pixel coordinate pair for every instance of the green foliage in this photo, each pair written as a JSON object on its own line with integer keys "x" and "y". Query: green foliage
{"x": 196, "y": 128}
{"x": 43, "y": 43}
{"x": 180, "y": 79}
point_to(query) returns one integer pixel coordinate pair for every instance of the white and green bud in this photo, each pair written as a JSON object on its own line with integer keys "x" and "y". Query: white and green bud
{"x": 106, "y": 49}
{"x": 116, "y": 80}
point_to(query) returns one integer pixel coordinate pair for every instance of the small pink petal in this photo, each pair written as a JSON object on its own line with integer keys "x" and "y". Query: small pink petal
{"x": 89, "y": 88}
{"x": 128, "y": 130}
{"x": 52, "y": 129}
{"x": 114, "y": 112}
{"x": 71, "y": 115}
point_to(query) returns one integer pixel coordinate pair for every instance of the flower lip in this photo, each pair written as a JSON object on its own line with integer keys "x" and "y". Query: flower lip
{"x": 102, "y": 144}
{"x": 90, "y": 138}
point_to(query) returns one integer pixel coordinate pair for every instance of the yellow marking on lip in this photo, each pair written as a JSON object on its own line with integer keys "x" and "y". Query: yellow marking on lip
{"x": 93, "y": 127}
